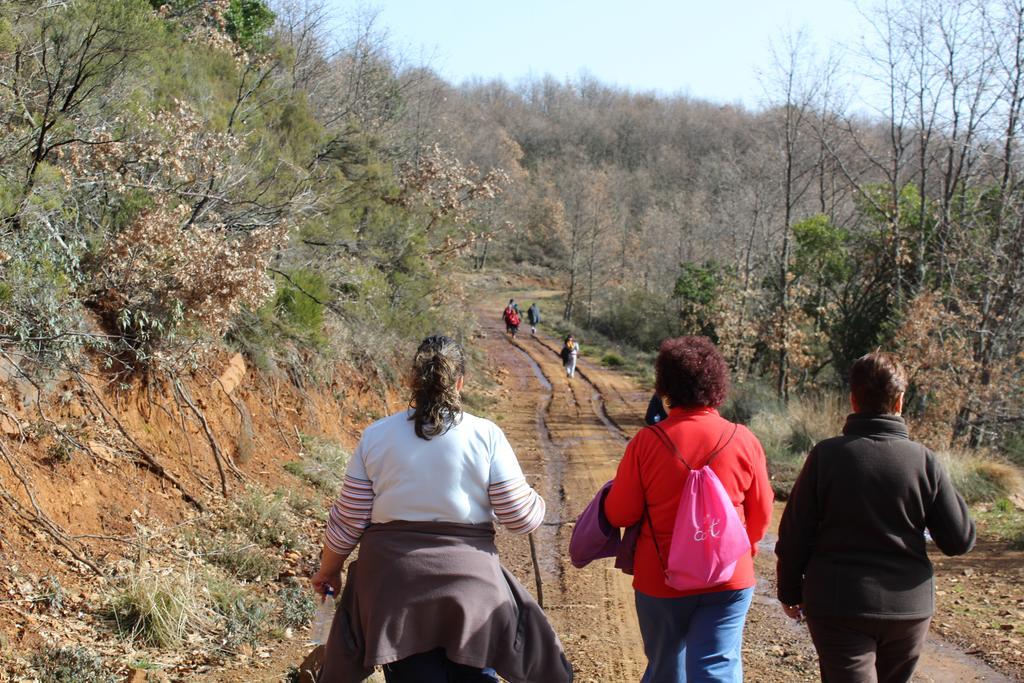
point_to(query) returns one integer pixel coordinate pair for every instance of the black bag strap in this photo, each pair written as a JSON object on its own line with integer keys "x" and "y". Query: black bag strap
{"x": 665, "y": 440}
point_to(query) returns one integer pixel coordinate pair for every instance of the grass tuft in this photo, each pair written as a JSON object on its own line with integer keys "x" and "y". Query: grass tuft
{"x": 167, "y": 608}
{"x": 774, "y": 432}
{"x": 241, "y": 558}
{"x": 979, "y": 478}
{"x": 322, "y": 464}
{"x": 161, "y": 608}
{"x": 788, "y": 432}
{"x": 266, "y": 519}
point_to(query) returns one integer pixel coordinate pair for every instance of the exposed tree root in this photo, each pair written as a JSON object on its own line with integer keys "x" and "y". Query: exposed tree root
{"x": 54, "y": 427}
{"x": 148, "y": 460}
{"x": 188, "y": 442}
{"x": 277, "y": 420}
{"x": 39, "y": 519}
{"x": 218, "y": 455}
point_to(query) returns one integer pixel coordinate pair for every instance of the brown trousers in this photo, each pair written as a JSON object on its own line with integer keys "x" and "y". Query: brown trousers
{"x": 861, "y": 650}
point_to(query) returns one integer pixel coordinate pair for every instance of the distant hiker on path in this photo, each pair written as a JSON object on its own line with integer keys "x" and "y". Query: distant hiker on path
{"x": 690, "y": 635}
{"x": 427, "y": 597}
{"x": 852, "y": 554}
{"x": 533, "y": 315}
{"x": 569, "y": 352}
{"x": 511, "y": 317}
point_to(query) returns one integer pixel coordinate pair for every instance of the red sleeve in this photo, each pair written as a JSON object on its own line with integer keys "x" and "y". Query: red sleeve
{"x": 757, "y": 502}
{"x": 624, "y": 504}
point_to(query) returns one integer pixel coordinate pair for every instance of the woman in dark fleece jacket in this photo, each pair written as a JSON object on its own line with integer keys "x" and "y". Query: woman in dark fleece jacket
{"x": 851, "y": 550}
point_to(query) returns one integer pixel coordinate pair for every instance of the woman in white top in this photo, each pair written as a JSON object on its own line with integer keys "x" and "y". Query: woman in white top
{"x": 429, "y": 469}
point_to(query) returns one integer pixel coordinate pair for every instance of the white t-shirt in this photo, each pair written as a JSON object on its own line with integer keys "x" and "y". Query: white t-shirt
{"x": 444, "y": 479}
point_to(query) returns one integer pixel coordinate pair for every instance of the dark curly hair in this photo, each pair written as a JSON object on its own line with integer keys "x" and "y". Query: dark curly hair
{"x": 436, "y": 368}
{"x": 876, "y": 380}
{"x": 691, "y": 373}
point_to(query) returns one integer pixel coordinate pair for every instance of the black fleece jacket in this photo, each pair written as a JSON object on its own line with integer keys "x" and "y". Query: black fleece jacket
{"x": 851, "y": 540}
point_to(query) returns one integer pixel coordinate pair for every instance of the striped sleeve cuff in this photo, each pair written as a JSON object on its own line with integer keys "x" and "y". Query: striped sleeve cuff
{"x": 350, "y": 515}
{"x": 518, "y": 507}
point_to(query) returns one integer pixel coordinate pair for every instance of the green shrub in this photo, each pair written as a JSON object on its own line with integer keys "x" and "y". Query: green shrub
{"x": 478, "y": 403}
{"x": 241, "y": 558}
{"x": 302, "y": 504}
{"x": 297, "y": 605}
{"x": 748, "y": 399}
{"x": 1013, "y": 447}
{"x": 612, "y": 360}
{"x": 1002, "y": 521}
{"x": 59, "y": 453}
{"x": 298, "y": 303}
{"x": 70, "y": 665}
{"x": 248, "y": 22}
{"x": 266, "y": 519}
{"x": 242, "y": 614}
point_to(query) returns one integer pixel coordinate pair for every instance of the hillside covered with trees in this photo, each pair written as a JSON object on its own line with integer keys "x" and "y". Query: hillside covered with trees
{"x": 834, "y": 220}
{"x": 185, "y": 172}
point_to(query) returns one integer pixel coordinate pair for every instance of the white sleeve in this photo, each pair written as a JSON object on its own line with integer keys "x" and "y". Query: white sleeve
{"x": 504, "y": 464}
{"x": 356, "y": 467}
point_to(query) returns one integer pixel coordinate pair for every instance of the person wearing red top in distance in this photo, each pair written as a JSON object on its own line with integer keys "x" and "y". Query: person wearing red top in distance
{"x": 693, "y": 635}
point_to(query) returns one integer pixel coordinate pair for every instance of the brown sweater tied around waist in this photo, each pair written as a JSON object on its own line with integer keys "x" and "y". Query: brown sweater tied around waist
{"x": 418, "y": 586}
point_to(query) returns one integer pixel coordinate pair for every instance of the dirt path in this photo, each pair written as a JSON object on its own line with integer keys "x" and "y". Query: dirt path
{"x": 569, "y": 435}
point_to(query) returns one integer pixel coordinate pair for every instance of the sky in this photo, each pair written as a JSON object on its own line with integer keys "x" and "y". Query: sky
{"x": 700, "y": 48}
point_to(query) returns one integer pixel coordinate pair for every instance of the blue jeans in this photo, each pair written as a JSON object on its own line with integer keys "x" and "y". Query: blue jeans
{"x": 694, "y": 639}
{"x": 434, "y": 667}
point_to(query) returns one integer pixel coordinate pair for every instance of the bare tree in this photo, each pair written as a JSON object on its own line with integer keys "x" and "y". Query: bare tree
{"x": 792, "y": 87}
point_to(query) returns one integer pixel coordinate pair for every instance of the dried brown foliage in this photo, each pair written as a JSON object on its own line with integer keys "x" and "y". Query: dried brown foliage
{"x": 156, "y": 274}
{"x": 934, "y": 345}
{"x": 449, "y": 191}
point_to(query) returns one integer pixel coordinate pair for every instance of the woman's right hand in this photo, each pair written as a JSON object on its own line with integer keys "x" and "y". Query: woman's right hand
{"x": 325, "y": 579}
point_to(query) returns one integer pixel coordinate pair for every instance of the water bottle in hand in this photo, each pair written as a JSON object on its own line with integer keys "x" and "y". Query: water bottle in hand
{"x": 322, "y": 619}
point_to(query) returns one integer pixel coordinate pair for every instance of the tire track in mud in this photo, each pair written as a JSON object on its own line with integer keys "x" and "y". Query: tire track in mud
{"x": 581, "y": 426}
{"x": 572, "y": 449}
{"x": 610, "y": 416}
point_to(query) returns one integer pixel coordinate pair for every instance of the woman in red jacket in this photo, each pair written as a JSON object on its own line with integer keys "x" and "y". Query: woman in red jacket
{"x": 692, "y": 635}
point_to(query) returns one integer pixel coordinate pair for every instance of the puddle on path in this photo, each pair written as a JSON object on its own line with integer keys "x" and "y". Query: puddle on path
{"x": 549, "y": 535}
{"x": 597, "y": 398}
{"x": 537, "y": 372}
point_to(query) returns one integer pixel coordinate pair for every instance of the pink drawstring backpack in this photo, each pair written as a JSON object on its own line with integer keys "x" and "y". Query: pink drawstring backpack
{"x": 708, "y": 537}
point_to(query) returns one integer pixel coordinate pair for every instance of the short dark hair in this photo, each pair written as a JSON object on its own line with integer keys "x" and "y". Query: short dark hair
{"x": 876, "y": 379}
{"x": 690, "y": 372}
